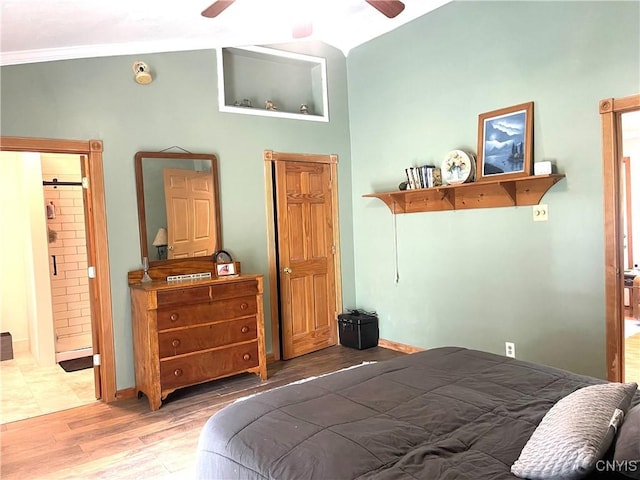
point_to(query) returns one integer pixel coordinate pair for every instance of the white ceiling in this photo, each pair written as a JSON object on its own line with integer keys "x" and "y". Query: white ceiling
{"x": 44, "y": 30}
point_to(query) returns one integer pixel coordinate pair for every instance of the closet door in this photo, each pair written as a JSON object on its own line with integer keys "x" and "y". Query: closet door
{"x": 307, "y": 255}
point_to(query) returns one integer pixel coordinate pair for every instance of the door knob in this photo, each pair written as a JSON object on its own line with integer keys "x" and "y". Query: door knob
{"x": 287, "y": 270}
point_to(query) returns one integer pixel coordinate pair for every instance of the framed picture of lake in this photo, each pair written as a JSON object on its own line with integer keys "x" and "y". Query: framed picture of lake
{"x": 505, "y": 143}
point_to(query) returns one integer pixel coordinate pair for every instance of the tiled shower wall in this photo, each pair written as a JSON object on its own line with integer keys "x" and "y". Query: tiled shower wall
{"x": 69, "y": 284}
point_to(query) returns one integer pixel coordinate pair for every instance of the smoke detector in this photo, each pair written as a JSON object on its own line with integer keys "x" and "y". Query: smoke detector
{"x": 141, "y": 71}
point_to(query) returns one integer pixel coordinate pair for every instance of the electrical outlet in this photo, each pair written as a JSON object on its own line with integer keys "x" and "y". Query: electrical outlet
{"x": 510, "y": 349}
{"x": 540, "y": 213}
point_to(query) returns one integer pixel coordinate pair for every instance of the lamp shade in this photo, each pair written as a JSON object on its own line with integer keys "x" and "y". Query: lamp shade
{"x": 161, "y": 237}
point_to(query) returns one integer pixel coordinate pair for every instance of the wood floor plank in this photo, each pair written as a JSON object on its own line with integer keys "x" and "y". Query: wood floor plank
{"x": 125, "y": 440}
{"x": 42, "y": 463}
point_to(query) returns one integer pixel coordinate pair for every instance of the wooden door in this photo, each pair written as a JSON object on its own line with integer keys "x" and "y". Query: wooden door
{"x": 189, "y": 201}
{"x": 90, "y": 230}
{"x": 307, "y": 255}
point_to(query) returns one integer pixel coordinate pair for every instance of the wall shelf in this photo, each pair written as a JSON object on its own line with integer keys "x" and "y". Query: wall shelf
{"x": 257, "y": 74}
{"x": 485, "y": 194}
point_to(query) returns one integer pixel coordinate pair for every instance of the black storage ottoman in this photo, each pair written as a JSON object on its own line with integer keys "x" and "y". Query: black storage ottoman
{"x": 358, "y": 330}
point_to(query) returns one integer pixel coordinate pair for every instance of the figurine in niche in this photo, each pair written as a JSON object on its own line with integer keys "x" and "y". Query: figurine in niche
{"x": 246, "y": 103}
{"x": 269, "y": 105}
{"x": 304, "y": 109}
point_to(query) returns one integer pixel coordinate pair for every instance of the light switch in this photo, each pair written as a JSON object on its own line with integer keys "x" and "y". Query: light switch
{"x": 540, "y": 213}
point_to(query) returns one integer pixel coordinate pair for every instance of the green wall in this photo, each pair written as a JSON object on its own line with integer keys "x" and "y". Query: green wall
{"x": 473, "y": 278}
{"x": 98, "y": 98}
{"x": 478, "y": 278}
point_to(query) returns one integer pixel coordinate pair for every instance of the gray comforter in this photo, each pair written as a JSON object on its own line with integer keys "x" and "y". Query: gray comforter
{"x": 446, "y": 413}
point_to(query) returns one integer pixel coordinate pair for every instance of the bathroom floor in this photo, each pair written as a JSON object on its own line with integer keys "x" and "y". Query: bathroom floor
{"x": 631, "y": 350}
{"x": 28, "y": 390}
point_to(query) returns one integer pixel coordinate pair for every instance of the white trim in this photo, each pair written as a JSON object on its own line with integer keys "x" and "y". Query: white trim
{"x": 105, "y": 50}
{"x": 269, "y": 113}
{"x": 72, "y": 354}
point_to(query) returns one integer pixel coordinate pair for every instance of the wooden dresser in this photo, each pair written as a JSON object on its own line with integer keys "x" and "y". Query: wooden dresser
{"x": 185, "y": 333}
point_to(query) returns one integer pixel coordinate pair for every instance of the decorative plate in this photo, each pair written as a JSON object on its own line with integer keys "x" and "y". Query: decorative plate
{"x": 458, "y": 167}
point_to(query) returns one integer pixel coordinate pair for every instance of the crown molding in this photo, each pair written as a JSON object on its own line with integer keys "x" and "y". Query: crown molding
{"x": 106, "y": 50}
{"x": 135, "y": 48}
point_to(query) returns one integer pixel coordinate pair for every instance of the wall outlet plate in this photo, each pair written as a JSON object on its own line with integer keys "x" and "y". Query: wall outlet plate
{"x": 510, "y": 349}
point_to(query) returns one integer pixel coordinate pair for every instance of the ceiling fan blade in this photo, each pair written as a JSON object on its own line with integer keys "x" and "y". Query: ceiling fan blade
{"x": 389, "y": 8}
{"x": 216, "y": 8}
{"x": 302, "y": 29}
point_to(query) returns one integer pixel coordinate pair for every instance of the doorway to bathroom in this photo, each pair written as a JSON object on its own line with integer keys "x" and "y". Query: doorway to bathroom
{"x": 55, "y": 294}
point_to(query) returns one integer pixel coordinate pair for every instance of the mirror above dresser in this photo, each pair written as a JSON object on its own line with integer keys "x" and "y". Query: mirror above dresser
{"x": 178, "y": 205}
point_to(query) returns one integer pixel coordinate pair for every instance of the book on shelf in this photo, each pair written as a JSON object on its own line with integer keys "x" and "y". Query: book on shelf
{"x": 424, "y": 176}
{"x": 412, "y": 178}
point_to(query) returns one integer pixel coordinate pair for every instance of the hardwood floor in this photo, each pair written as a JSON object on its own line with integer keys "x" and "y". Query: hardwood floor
{"x": 125, "y": 440}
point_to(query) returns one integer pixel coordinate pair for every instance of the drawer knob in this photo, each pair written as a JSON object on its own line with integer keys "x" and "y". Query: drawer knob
{"x": 175, "y": 343}
{"x": 246, "y": 356}
{"x": 174, "y": 317}
{"x": 244, "y": 306}
{"x": 177, "y": 372}
{"x": 244, "y": 329}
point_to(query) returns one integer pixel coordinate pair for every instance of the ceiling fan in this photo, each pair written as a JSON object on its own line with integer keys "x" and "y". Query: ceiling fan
{"x": 389, "y": 8}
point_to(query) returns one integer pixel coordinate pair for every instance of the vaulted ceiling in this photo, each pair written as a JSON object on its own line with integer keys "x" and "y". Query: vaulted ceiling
{"x": 37, "y": 30}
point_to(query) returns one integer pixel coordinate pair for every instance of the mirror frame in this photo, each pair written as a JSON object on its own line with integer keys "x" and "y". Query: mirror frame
{"x": 142, "y": 221}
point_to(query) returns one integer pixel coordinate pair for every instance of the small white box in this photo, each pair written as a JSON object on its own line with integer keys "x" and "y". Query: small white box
{"x": 542, "y": 168}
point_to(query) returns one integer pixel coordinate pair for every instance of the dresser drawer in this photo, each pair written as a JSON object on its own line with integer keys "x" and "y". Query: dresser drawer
{"x": 181, "y": 296}
{"x": 203, "y": 366}
{"x": 186, "y": 315}
{"x": 188, "y": 295}
{"x": 234, "y": 289}
{"x": 193, "y": 339}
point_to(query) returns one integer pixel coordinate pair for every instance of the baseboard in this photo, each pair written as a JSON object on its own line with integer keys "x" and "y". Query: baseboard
{"x": 398, "y": 347}
{"x": 71, "y": 354}
{"x": 21, "y": 346}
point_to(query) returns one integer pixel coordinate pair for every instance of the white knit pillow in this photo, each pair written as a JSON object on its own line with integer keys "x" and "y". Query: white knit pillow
{"x": 575, "y": 433}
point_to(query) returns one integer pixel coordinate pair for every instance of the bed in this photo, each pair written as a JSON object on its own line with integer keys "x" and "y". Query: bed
{"x": 449, "y": 413}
